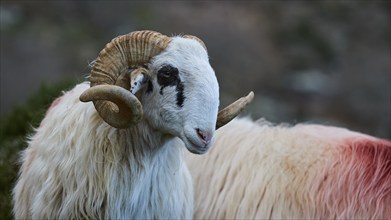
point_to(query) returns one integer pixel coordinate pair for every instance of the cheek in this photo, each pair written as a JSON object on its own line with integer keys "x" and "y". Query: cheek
{"x": 150, "y": 107}
{"x": 161, "y": 111}
{"x": 202, "y": 104}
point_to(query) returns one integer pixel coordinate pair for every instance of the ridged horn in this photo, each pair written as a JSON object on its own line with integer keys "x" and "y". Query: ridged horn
{"x": 123, "y": 105}
{"x": 111, "y": 68}
{"x": 230, "y": 112}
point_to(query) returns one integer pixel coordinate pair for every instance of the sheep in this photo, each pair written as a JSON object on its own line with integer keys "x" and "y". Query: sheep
{"x": 122, "y": 157}
{"x": 257, "y": 170}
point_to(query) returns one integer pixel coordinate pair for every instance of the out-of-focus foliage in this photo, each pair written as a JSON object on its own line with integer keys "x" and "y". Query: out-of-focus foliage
{"x": 14, "y": 130}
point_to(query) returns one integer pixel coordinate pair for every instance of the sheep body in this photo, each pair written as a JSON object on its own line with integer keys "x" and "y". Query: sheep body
{"x": 258, "y": 171}
{"x": 122, "y": 157}
{"x": 64, "y": 176}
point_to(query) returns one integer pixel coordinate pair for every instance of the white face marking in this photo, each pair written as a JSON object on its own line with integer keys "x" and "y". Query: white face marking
{"x": 183, "y": 96}
{"x": 136, "y": 83}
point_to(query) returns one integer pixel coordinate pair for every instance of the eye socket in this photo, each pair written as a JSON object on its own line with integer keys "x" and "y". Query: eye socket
{"x": 167, "y": 75}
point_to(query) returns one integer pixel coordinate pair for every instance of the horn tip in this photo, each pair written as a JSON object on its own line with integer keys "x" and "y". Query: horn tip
{"x": 84, "y": 97}
{"x": 250, "y": 96}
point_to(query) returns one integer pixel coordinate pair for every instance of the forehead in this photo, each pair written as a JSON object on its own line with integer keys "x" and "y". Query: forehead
{"x": 182, "y": 53}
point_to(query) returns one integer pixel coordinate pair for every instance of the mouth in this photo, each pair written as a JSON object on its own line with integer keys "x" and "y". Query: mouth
{"x": 195, "y": 147}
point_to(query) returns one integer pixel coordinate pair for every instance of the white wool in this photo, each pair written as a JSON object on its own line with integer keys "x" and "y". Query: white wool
{"x": 105, "y": 174}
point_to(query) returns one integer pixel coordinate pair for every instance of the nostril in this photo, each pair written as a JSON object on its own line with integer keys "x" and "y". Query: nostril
{"x": 204, "y": 136}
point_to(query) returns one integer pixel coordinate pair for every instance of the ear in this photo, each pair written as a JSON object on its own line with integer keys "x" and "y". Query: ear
{"x": 138, "y": 78}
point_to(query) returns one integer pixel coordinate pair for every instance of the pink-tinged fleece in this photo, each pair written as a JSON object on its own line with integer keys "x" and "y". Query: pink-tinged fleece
{"x": 256, "y": 170}
{"x": 357, "y": 185}
{"x": 55, "y": 103}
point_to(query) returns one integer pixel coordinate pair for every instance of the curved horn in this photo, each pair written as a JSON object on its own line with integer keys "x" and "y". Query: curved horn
{"x": 111, "y": 67}
{"x": 234, "y": 109}
{"x": 123, "y": 106}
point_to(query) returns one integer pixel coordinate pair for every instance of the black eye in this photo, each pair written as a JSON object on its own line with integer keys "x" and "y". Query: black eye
{"x": 167, "y": 75}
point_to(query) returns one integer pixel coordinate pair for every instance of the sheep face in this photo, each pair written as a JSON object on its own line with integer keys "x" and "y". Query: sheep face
{"x": 172, "y": 86}
{"x": 181, "y": 97}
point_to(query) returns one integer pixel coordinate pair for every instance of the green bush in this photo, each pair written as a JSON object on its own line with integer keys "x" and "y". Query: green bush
{"x": 14, "y": 128}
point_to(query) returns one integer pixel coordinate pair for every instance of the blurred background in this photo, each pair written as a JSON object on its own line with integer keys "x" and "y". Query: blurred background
{"x": 322, "y": 62}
